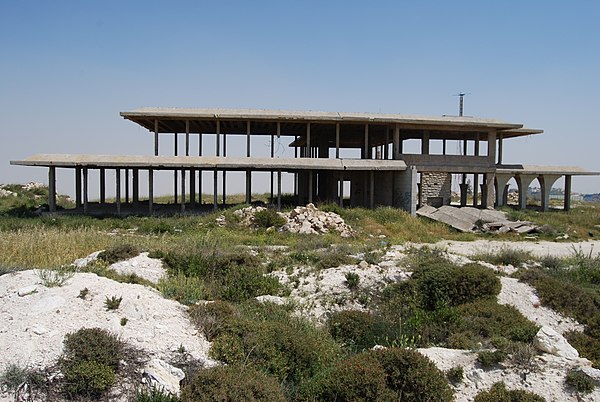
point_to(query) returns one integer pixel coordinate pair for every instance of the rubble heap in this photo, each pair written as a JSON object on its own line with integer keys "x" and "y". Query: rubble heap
{"x": 305, "y": 220}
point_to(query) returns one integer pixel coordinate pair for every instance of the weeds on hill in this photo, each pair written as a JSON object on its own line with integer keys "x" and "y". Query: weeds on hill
{"x": 505, "y": 256}
{"x": 55, "y": 277}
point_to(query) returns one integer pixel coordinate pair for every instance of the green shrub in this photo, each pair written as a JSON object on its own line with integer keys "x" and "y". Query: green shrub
{"x": 268, "y": 218}
{"x": 579, "y": 380}
{"x": 352, "y": 280}
{"x": 356, "y": 329}
{"x": 92, "y": 344}
{"x": 55, "y": 277}
{"x": 13, "y": 376}
{"x": 334, "y": 257}
{"x": 489, "y": 359}
{"x": 450, "y": 284}
{"x": 239, "y": 283}
{"x": 488, "y": 319}
{"x": 455, "y": 375}
{"x": 499, "y": 393}
{"x": 210, "y": 318}
{"x": 83, "y": 293}
{"x": 232, "y": 383}
{"x": 154, "y": 395}
{"x": 586, "y": 345}
{"x": 119, "y": 253}
{"x": 384, "y": 374}
{"x": 88, "y": 378}
{"x": 425, "y": 257}
{"x": 506, "y": 256}
{"x": 184, "y": 289}
{"x": 113, "y": 302}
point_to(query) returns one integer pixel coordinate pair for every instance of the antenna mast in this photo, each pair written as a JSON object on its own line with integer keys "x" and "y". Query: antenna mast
{"x": 461, "y": 102}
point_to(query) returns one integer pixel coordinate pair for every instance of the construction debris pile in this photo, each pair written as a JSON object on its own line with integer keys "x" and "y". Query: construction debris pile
{"x": 468, "y": 219}
{"x": 305, "y": 220}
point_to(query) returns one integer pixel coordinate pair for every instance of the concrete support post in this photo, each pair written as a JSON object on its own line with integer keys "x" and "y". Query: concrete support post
{"x": 215, "y": 174}
{"x": 218, "y": 139}
{"x": 476, "y": 144}
{"x": 77, "y": 187}
{"x": 425, "y": 143}
{"x": 182, "y": 190}
{"x": 476, "y": 189}
{"x": 200, "y": 171}
{"x": 224, "y": 172}
{"x": 126, "y": 186}
{"x": 366, "y": 148}
{"x": 464, "y": 189}
{"x": 371, "y": 189}
{"x": 279, "y": 190}
{"x": 341, "y": 189}
{"x": 444, "y": 147}
{"x": 102, "y": 185}
{"x": 499, "y": 149}
{"x": 150, "y": 191}
{"x": 248, "y": 139}
{"x": 546, "y": 183}
{"x": 396, "y": 143}
{"x": 501, "y": 183}
{"x": 272, "y": 173}
{"x": 386, "y": 150}
{"x": 155, "y": 137}
{"x": 136, "y": 187}
{"x": 491, "y": 147}
{"x": 248, "y": 186}
{"x": 337, "y": 140}
{"x": 523, "y": 182}
{"x": 118, "y": 190}
{"x": 307, "y": 140}
{"x": 187, "y": 138}
{"x": 487, "y": 199}
{"x": 567, "y": 200}
{"x": 175, "y": 184}
{"x": 192, "y": 188}
{"x": 85, "y": 190}
{"x": 52, "y": 189}
{"x": 310, "y": 186}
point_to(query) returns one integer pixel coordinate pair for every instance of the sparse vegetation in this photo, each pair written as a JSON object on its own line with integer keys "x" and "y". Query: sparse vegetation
{"x": 490, "y": 358}
{"x": 113, "y": 302}
{"x": 352, "y": 280}
{"x": 55, "y": 277}
{"x": 268, "y": 218}
{"x": 118, "y": 253}
{"x": 506, "y": 256}
{"x": 499, "y": 393}
{"x": 455, "y": 375}
{"x": 83, "y": 293}
{"x": 579, "y": 380}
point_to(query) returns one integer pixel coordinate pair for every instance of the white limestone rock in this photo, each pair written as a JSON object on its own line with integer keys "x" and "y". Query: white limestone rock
{"x": 27, "y": 290}
{"x": 85, "y": 261}
{"x": 271, "y": 299}
{"x": 549, "y": 341}
{"x": 162, "y": 376}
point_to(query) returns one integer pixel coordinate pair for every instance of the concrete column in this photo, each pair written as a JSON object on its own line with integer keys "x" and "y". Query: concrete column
{"x": 248, "y": 139}
{"x": 248, "y": 186}
{"x": 279, "y": 190}
{"x": 187, "y": 138}
{"x": 102, "y": 185}
{"x": 192, "y": 188}
{"x": 341, "y": 189}
{"x": 52, "y": 189}
{"x": 396, "y": 143}
{"x": 476, "y": 144}
{"x": 337, "y": 140}
{"x": 175, "y": 185}
{"x": 371, "y": 189}
{"x": 567, "y": 201}
{"x": 136, "y": 187}
{"x": 150, "y": 191}
{"x": 499, "y": 149}
{"x": 126, "y": 186}
{"x": 546, "y": 183}
{"x": 464, "y": 189}
{"x": 444, "y": 146}
{"x": 200, "y": 171}
{"x": 492, "y": 147}
{"x": 224, "y": 172}
{"x": 77, "y": 187}
{"x": 476, "y": 189}
{"x": 182, "y": 190}
{"x": 310, "y": 186}
{"x": 366, "y": 148}
{"x": 487, "y": 199}
{"x": 501, "y": 183}
{"x": 523, "y": 182}
{"x": 425, "y": 143}
{"x": 272, "y": 173}
{"x": 405, "y": 190}
{"x": 155, "y": 137}
{"x": 118, "y": 190}
{"x": 85, "y": 190}
{"x": 215, "y": 173}
{"x": 386, "y": 151}
{"x": 307, "y": 140}
{"x": 218, "y": 139}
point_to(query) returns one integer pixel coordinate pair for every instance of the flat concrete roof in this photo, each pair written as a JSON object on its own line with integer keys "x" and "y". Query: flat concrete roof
{"x": 173, "y": 119}
{"x": 539, "y": 170}
{"x": 207, "y": 162}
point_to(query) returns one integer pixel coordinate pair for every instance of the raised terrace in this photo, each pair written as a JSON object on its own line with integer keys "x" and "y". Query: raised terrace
{"x": 396, "y": 160}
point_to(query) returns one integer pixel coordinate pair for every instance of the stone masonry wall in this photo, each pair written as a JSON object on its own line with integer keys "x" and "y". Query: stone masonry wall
{"x": 436, "y": 188}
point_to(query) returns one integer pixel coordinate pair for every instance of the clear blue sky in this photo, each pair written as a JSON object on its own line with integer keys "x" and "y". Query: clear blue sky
{"x": 67, "y": 68}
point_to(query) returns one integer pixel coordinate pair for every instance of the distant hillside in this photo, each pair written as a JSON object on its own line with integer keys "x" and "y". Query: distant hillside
{"x": 27, "y": 199}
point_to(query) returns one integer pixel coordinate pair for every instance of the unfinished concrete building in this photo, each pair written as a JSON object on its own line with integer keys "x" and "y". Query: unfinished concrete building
{"x": 381, "y": 171}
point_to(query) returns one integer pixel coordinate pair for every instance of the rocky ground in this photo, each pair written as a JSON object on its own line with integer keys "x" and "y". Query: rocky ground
{"x": 34, "y": 318}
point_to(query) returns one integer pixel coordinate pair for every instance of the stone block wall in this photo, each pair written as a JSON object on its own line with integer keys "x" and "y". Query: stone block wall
{"x": 436, "y": 188}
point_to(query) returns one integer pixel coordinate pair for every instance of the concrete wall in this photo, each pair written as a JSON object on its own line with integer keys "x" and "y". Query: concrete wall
{"x": 405, "y": 190}
{"x": 436, "y": 188}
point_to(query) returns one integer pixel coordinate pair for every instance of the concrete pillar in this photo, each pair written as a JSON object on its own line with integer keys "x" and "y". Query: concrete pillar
{"x": 182, "y": 190}
{"x": 366, "y": 148}
{"x": 567, "y": 201}
{"x": 215, "y": 174}
{"x": 310, "y": 186}
{"x": 444, "y": 146}
{"x": 200, "y": 171}
{"x": 341, "y": 189}
{"x": 307, "y": 140}
{"x": 187, "y": 138}
{"x": 248, "y": 139}
{"x": 476, "y": 189}
{"x": 77, "y": 187}
{"x": 279, "y": 190}
{"x": 464, "y": 190}
{"x": 476, "y": 144}
{"x": 192, "y": 188}
{"x": 150, "y": 191}
{"x": 85, "y": 190}
{"x": 499, "y": 149}
{"x": 136, "y": 187}
{"x": 52, "y": 189}
{"x": 492, "y": 147}
{"x": 405, "y": 190}
{"x": 501, "y": 183}
{"x": 487, "y": 199}
{"x": 546, "y": 183}
{"x": 126, "y": 186}
{"x": 371, "y": 189}
{"x": 271, "y": 173}
{"x": 248, "y": 186}
{"x": 337, "y": 140}
{"x": 118, "y": 190}
{"x": 224, "y": 172}
{"x": 386, "y": 150}
{"x": 425, "y": 143}
{"x": 523, "y": 182}
{"x": 218, "y": 139}
{"x": 102, "y": 185}
{"x": 155, "y": 137}
{"x": 175, "y": 185}
{"x": 396, "y": 143}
